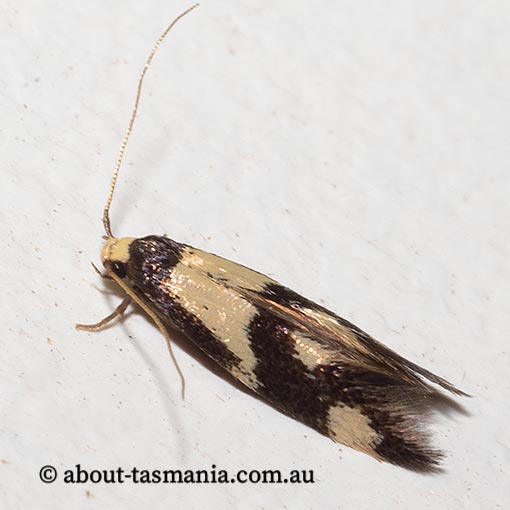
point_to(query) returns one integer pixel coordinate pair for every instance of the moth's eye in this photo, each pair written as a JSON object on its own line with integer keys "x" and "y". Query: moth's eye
{"x": 119, "y": 268}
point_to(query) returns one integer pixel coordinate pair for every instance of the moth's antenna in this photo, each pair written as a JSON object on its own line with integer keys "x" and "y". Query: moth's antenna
{"x": 118, "y": 162}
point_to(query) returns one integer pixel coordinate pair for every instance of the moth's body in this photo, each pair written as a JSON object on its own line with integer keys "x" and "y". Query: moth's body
{"x": 311, "y": 364}
{"x": 296, "y": 355}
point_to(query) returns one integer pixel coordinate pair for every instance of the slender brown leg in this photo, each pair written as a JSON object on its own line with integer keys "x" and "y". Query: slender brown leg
{"x": 102, "y": 323}
{"x": 106, "y": 276}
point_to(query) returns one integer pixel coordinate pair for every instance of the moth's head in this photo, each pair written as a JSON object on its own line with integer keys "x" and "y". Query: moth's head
{"x": 115, "y": 254}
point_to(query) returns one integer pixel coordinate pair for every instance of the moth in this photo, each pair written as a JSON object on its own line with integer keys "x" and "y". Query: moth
{"x": 299, "y": 357}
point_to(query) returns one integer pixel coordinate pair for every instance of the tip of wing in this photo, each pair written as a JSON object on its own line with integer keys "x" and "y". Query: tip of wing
{"x": 397, "y": 412}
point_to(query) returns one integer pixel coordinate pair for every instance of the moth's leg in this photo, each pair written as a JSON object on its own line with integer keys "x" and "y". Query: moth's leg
{"x": 102, "y": 323}
{"x": 116, "y": 313}
{"x": 106, "y": 276}
{"x": 159, "y": 323}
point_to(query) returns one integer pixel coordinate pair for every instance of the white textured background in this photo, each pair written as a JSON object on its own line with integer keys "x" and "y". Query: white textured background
{"x": 357, "y": 152}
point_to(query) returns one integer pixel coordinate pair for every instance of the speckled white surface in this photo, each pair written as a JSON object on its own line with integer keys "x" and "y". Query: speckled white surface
{"x": 359, "y": 154}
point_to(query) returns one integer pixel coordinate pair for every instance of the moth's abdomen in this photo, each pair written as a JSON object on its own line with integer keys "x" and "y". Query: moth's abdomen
{"x": 304, "y": 360}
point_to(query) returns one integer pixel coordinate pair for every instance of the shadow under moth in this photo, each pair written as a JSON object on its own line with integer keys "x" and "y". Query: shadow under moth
{"x": 301, "y": 358}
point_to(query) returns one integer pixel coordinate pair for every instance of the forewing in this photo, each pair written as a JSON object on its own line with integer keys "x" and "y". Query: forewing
{"x": 338, "y": 339}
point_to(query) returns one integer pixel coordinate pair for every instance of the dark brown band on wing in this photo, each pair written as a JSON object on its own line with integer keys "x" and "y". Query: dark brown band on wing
{"x": 150, "y": 265}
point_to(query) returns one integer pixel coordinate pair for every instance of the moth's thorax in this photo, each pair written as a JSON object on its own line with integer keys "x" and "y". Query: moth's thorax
{"x": 116, "y": 250}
